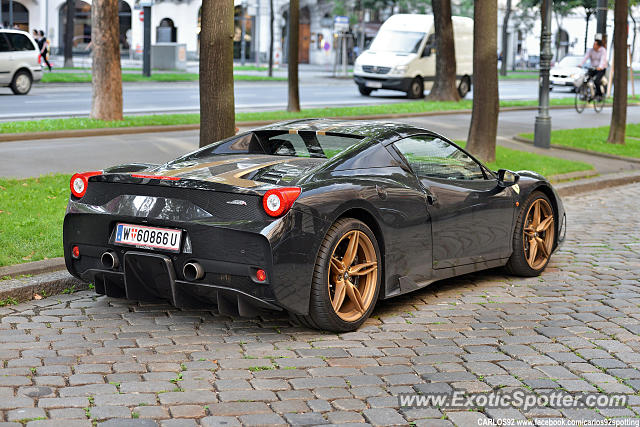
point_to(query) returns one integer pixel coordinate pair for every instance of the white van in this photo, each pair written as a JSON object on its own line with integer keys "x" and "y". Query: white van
{"x": 19, "y": 65}
{"x": 403, "y": 56}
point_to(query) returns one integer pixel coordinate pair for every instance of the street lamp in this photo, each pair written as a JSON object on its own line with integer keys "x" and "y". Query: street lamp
{"x": 542, "y": 131}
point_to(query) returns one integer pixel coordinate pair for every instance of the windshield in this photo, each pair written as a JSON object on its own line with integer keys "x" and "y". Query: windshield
{"x": 280, "y": 143}
{"x": 570, "y": 61}
{"x": 397, "y": 41}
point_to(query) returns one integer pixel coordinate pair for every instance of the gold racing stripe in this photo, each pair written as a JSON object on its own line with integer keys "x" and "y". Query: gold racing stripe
{"x": 234, "y": 177}
{"x": 209, "y": 164}
{"x": 324, "y": 131}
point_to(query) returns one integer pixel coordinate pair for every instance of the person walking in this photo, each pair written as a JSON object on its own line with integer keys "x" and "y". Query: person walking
{"x": 43, "y": 44}
{"x": 597, "y": 56}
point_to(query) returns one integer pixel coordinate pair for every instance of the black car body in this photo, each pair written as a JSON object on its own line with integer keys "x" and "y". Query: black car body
{"x": 428, "y": 226}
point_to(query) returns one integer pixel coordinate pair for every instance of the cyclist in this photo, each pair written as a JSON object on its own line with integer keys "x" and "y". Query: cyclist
{"x": 598, "y": 59}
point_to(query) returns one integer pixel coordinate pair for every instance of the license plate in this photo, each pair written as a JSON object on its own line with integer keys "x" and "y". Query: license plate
{"x": 142, "y": 236}
{"x": 376, "y": 85}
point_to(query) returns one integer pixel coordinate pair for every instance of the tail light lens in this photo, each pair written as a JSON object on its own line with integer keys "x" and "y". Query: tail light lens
{"x": 278, "y": 201}
{"x": 80, "y": 181}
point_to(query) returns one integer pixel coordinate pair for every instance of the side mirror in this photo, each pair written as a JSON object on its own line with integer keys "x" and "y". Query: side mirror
{"x": 507, "y": 178}
{"x": 428, "y": 50}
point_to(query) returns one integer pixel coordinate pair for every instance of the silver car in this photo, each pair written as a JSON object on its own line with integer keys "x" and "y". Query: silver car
{"x": 19, "y": 65}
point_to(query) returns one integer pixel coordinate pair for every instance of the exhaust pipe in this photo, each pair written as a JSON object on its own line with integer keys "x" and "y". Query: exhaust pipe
{"x": 193, "y": 271}
{"x": 110, "y": 260}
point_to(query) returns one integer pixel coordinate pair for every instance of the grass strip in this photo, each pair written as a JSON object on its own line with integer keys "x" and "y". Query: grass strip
{"x": 595, "y": 139}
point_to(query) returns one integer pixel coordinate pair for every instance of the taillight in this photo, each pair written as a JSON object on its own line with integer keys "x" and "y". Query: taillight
{"x": 278, "y": 201}
{"x": 80, "y": 181}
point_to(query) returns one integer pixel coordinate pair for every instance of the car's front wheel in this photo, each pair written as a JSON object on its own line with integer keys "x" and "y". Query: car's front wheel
{"x": 416, "y": 88}
{"x": 534, "y": 237}
{"x": 21, "y": 84}
{"x": 346, "y": 279}
{"x": 365, "y": 91}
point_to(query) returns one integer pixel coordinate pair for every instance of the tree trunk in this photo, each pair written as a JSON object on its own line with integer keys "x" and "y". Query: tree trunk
{"x": 68, "y": 34}
{"x": 635, "y": 33}
{"x": 484, "y": 118}
{"x": 292, "y": 64}
{"x": 106, "y": 74}
{"x": 505, "y": 40}
{"x": 618, "y": 126}
{"x": 586, "y": 32}
{"x": 217, "y": 109}
{"x": 271, "y": 20}
{"x": 444, "y": 86}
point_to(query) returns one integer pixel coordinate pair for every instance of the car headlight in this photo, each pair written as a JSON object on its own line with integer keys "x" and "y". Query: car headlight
{"x": 357, "y": 68}
{"x": 400, "y": 69}
{"x": 575, "y": 76}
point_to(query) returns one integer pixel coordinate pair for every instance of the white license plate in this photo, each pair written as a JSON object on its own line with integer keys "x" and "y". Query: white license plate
{"x": 148, "y": 237}
{"x": 376, "y": 85}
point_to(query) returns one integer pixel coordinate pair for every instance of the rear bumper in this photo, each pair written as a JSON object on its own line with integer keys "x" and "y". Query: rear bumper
{"x": 391, "y": 83}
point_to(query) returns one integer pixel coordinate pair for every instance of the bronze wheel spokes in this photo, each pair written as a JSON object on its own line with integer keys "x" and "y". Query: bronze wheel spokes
{"x": 538, "y": 234}
{"x": 353, "y": 275}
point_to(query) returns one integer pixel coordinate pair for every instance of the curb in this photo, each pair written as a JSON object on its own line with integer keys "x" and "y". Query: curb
{"x": 24, "y": 289}
{"x": 33, "y": 268}
{"x": 598, "y": 183}
{"x": 581, "y": 150}
{"x": 79, "y": 133}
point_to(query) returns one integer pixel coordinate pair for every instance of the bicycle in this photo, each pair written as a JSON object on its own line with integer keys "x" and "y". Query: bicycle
{"x": 586, "y": 93}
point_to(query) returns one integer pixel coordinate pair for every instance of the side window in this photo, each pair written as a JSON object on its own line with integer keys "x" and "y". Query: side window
{"x": 436, "y": 158}
{"x": 4, "y": 44}
{"x": 20, "y": 42}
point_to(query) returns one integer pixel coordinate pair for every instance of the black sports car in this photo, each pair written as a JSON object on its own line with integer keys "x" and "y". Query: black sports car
{"x": 317, "y": 217}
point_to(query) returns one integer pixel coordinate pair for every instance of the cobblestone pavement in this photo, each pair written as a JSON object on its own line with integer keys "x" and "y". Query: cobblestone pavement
{"x": 74, "y": 360}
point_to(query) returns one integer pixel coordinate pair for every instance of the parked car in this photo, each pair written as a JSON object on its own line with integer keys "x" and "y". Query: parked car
{"x": 320, "y": 218}
{"x": 19, "y": 61}
{"x": 403, "y": 56}
{"x": 567, "y": 72}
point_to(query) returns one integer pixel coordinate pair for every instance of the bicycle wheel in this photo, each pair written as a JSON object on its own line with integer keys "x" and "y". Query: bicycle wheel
{"x": 598, "y": 104}
{"x": 581, "y": 98}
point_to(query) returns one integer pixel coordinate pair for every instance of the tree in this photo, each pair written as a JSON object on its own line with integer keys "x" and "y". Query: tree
{"x": 484, "y": 116}
{"x": 590, "y": 8}
{"x": 505, "y": 39}
{"x": 618, "y": 127}
{"x": 217, "y": 109}
{"x": 444, "y": 86}
{"x": 271, "y": 20}
{"x": 68, "y": 33}
{"x": 106, "y": 74}
{"x": 292, "y": 66}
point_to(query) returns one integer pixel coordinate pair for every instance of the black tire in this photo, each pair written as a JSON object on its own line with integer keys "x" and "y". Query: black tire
{"x": 598, "y": 104}
{"x": 321, "y": 313}
{"x": 365, "y": 91}
{"x": 517, "y": 264}
{"x": 416, "y": 89}
{"x": 21, "y": 83}
{"x": 464, "y": 87}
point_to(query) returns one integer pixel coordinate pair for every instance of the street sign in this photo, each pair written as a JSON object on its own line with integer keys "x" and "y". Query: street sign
{"x": 341, "y": 23}
{"x": 146, "y": 3}
{"x": 142, "y": 16}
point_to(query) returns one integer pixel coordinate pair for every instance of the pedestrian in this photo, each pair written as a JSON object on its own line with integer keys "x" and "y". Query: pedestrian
{"x": 43, "y": 44}
{"x": 597, "y": 56}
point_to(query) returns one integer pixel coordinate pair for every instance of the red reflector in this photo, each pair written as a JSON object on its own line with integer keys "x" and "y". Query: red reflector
{"x": 168, "y": 178}
{"x": 261, "y": 276}
{"x": 75, "y": 251}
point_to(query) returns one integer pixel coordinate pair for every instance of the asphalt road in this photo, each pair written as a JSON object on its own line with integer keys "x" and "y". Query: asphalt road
{"x": 60, "y": 100}
{"x": 34, "y": 158}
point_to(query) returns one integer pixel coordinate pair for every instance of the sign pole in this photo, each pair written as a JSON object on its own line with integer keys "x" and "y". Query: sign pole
{"x": 542, "y": 129}
{"x": 146, "y": 52}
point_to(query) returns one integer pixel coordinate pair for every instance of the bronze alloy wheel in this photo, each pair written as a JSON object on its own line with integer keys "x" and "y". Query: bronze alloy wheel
{"x": 353, "y": 276}
{"x": 538, "y": 234}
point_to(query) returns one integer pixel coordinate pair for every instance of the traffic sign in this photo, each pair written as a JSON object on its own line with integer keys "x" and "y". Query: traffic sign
{"x": 341, "y": 23}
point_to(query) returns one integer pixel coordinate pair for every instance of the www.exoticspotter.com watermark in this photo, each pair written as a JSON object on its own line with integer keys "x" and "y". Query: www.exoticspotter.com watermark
{"x": 521, "y": 399}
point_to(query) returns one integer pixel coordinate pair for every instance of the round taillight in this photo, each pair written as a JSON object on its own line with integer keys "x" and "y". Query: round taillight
{"x": 79, "y": 183}
{"x": 261, "y": 275}
{"x": 75, "y": 251}
{"x": 278, "y": 201}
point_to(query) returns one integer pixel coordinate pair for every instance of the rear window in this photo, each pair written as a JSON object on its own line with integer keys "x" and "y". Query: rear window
{"x": 20, "y": 42}
{"x": 281, "y": 143}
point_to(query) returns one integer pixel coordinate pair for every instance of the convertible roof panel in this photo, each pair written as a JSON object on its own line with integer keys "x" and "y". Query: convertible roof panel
{"x": 346, "y": 127}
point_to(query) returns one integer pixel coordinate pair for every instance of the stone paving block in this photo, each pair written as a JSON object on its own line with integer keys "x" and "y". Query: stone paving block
{"x": 187, "y": 397}
{"x": 106, "y": 412}
{"x": 183, "y": 422}
{"x": 56, "y": 423}
{"x": 25, "y": 413}
{"x": 219, "y": 422}
{"x": 67, "y": 413}
{"x": 310, "y": 418}
{"x": 263, "y": 420}
{"x": 383, "y": 417}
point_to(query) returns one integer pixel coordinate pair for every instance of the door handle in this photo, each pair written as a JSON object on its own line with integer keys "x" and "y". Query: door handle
{"x": 431, "y": 199}
{"x": 382, "y": 193}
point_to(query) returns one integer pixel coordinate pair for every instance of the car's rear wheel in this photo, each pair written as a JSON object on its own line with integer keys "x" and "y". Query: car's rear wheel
{"x": 366, "y": 91}
{"x": 534, "y": 237}
{"x": 416, "y": 88}
{"x": 346, "y": 279}
{"x": 21, "y": 84}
